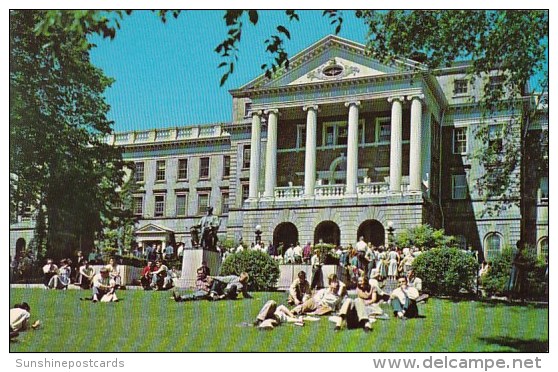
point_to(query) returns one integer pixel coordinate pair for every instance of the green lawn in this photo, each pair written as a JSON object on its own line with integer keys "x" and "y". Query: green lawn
{"x": 151, "y": 322}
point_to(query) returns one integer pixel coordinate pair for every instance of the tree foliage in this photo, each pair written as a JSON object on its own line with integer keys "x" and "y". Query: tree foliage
{"x": 423, "y": 236}
{"x": 446, "y": 271}
{"x": 262, "y": 269}
{"x": 59, "y": 163}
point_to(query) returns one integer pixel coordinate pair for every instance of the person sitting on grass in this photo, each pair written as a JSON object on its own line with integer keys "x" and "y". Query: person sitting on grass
{"x": 49, "y": 270}
{"x": 403, "y": 300}
{"x": 86, "y": 275}
{"x": 228, "y": 287}
{"x": 104, "y": 287}
{"x": 326, "y": 300}
{"x": 356, "y": 313}
{"x": 115, "y": 271}
{"x": 161, "y": 278}
{"x": 272, "y": 315}
{"x": 19, "y": 319}
{"x": 145, "y": 278}
{"x": 61, "y": 279}
{"x": 299, "y": 291}
{"x": 203, "y": 286}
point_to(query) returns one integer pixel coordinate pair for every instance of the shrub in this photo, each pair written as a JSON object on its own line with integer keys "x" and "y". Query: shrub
{"x": 423, "y": 236}
{"x": 327, "y": 253}
{"x": 263, "y": 269}
{"x": 495, "y": 280}
{"x": 446, "y": 271}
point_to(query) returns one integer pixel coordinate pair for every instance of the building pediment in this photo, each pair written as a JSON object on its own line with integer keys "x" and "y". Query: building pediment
{"x": 152, "y": 229}
{"x": 331, "y": 59}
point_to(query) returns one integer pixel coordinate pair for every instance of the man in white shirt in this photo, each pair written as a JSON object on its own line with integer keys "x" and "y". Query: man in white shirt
{"x": 297, "y": 252}
{"x": 361, "y": 245}
{"x": 289, "y": 255}
{"x": 403, "y": 300}
{"x": 49, "y": 270}
{"x": 326, "y": 300}
{"x": 104, "y": 287}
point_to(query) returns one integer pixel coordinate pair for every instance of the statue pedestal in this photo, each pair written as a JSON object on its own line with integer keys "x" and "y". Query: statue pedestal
{"x": 191, "y": 261}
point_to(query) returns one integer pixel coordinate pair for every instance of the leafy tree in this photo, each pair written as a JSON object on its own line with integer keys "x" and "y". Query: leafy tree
{"x": 59, "y": 164}
{"x": 425, "y": 237}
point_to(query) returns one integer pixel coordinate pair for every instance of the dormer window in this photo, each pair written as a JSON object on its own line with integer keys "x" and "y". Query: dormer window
{"x": 460, "y": 87}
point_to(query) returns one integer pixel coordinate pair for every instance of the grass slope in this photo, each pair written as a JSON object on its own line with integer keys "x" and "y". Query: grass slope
{"x": 151, "y": 322}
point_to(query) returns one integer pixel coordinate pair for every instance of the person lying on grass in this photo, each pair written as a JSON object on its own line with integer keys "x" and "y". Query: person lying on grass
{"x": 228, "y": 287}
{"x": 19, "y": 319}
{"x": 272, "y": 315}
{"x": 203, "y": 286}
{"x": 326, "y": 300}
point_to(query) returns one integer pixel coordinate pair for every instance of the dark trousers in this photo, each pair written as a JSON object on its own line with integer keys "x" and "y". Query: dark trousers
{"x": 410, "y": 307}
{"x": 317, "y": 278}
{"x": 220, "y": 288}
{"x": 47, "y": 278}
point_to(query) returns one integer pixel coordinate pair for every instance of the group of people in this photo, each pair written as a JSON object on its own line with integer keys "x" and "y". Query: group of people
{"x": 215, "y": 288}
{"x": 157, "y": 276}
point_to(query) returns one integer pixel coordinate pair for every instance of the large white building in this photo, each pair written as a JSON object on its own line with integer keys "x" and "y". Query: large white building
{"x": 336, "y": 147}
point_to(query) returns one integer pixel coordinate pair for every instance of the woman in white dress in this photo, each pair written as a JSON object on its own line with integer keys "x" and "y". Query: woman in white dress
{"x": 393, "y": 263}
{"x": 382, "y": 267}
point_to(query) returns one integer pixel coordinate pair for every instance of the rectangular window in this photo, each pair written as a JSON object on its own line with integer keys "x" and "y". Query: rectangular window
{"x": 245, "y": 191}
{"x": 159, "y": 205}
{"x": 496, "y": 82}
{"x": 495, "y": 137}
{"x": 460, "y": 86}
{"x": 300, "y": 136}
{"x": 137, "y": 207}
{"x": 383, "y": 130}
{"x": 204, "y": 168}
{"x": 460, "y": 140}
{"x": 139, "y": 172}
{"x": 181, "y": 204}
{"x": 203, "y": 202}
{"x": 335, "y": 134}
{"x": 246, "y": 157}
{"x": 342, "y": 135}
{"x": 247, "y": 109}
{"x": 458, "y": 186}
{"x": 226, "y": 166}
{"x": 160, "y": 170}
{"x": 225, "y": 203}
{"x": 329, "y": 139}
{"x": 182, "y": 169}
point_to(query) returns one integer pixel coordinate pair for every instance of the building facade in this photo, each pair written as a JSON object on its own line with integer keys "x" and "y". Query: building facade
{"x": 337, "y": 147}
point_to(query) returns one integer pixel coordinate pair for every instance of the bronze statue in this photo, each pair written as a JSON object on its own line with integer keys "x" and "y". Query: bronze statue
{"x": 208, "y": 227}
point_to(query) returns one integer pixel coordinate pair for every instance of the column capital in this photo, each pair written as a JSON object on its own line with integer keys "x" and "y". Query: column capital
{"x": 271, "y": 111}
{"x": 419, "y": 96}
{"x": 308, "y": 107}
{"x": 256, "y": 112}
{"x": 396, "y": 98}
{"x": 356, "y": 103}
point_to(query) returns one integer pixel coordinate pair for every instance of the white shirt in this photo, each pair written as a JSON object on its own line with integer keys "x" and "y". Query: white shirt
{"x": 50, "y": 268}
{"x": 375, "y": 285}
{"x": 289, "y": 254}
{"x": 240, "y": 248}
{"x": 410, "y": 292}
{"x": 298, "y": 251}
{"x": 19, "y": 318}
{"x": 100, "y": 282}
{"x": 361, "y": 246}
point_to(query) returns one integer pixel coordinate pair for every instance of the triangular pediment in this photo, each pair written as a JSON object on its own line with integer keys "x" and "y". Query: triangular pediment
{"x": 332, "y": 59}
{"x": 152, "y": 228}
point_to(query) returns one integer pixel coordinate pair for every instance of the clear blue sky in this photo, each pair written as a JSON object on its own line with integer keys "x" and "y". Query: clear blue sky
{"x": 166, "y": 74}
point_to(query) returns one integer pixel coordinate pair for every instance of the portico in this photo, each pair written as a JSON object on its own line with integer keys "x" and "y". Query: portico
{"x": 350, "y": 187}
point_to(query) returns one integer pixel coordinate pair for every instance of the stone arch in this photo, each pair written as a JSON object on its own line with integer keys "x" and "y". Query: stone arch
{"x": 328, "y": 231}
{"x": 285, "y": 233}
{"x": 373, "y": 231}
{"x": 20, "y": 247}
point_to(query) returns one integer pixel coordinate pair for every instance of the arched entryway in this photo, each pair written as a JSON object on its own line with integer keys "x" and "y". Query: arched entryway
{"x": 286, "y": 234}
{"x": 372, "y": 231}
{"x": 20, "y": 247}
{"x": 328, "y": 231}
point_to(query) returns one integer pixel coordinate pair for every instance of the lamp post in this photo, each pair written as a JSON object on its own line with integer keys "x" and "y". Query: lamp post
{"x": 390, "y": 230}
{"x": 258, "y": 233}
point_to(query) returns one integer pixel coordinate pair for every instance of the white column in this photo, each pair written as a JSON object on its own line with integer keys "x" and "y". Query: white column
{"x": 255, "y": 154}
{"x": 271, "y": 154}
{"x": 310, "y": 155}
{"x": 416, "y": 143}
{"x": 396, "y": 146}
{"x": 352, "y": 148}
